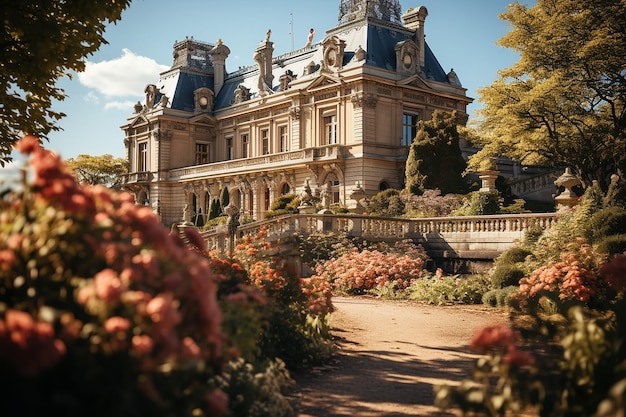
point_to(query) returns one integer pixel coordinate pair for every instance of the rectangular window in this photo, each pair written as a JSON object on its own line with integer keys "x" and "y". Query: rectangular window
{"x": 229, "y": 149}
{"x": 284, "y": 139}
{"x": 202, "y": 153}
{"x": 142, "y": 157}
{"x": 245, "y": 145}
{"x": 265, "y": 141}
{"x": 330, "y": 129}
{"x": 409, "y": 128}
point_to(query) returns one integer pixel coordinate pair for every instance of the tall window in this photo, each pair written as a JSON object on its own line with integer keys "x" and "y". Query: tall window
{"x": 330, "y": 129}
{"x": 333, "y": 188}
{"x": 409, "y": 128}
{"x": 265, "y": 141}
{"x": 202, "y": 153}
{"x": 142, "y": 161}
{"x": 284, "y": 139}
{"x": 229, "y": 149}
{"x": 245, "y": 145}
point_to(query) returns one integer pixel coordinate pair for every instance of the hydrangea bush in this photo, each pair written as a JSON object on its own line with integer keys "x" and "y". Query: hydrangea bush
{"x": 102, "y": 310}
{"x": 564, "y": 351}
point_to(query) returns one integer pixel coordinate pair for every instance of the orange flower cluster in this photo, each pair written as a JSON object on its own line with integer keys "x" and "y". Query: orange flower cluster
{"x": 501, "y": 338}
{"x": 357, "y": 272}
{"x": 575, "y": 277}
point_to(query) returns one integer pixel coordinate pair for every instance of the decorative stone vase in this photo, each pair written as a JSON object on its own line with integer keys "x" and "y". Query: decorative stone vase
{"x": 567, "y": 199}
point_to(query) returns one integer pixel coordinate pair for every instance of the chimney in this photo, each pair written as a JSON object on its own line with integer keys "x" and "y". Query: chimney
{"x": 219, "y": 54}
{"x": 414, "y": 20}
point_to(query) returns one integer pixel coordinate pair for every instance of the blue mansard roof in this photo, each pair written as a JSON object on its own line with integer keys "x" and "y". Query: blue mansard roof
{"x": 377, "y": 38}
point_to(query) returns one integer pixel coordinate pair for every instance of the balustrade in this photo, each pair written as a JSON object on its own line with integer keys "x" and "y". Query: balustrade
{"x": 501, "y": 228}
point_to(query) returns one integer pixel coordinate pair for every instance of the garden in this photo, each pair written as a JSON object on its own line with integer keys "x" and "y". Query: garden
{"x": 99, "y": 301}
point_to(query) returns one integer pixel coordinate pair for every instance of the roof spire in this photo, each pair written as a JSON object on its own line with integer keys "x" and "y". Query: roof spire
{"x": 386, "y": 10}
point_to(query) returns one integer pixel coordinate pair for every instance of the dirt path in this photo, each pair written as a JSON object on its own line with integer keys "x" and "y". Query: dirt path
{"x": 391, "y": 354}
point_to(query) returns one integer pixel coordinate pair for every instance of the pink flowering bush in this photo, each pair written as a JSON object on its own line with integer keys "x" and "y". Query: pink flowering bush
{"x": 288, "y": 318}
{"x": 102, "y": 311}
{"x": 565, "y": 351}
{"x": 358, "y": 272}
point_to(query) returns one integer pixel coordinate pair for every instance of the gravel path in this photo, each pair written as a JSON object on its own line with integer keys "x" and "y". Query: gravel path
{"x": 391, "y": 354}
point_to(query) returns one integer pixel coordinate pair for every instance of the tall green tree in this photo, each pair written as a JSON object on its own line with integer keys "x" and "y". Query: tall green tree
{"x": 99, "y": 170}
{"x": 41, "y": 42}
{"x": 563, "y": 103}
{"x": 435, "y": 160}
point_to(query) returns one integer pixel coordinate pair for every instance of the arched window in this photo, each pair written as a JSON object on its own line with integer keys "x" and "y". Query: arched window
{"x": 285, "y": 189}
{"x": 383, "y": 186}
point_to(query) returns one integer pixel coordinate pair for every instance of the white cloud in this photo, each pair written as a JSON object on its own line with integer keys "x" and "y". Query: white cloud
{"x": 120, "y": 105}
{"x": 126, "y": 76}
{"x": 91, "y": 97}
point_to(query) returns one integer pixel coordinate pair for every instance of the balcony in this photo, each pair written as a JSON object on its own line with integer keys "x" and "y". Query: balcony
{"x": 254, "y": 164}
{"x": 138, "y": 177}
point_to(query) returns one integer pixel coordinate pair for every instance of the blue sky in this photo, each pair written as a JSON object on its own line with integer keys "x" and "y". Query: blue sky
{"x": 461, "y": 33}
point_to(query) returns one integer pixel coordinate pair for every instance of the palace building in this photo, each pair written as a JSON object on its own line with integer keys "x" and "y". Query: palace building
{"x": 333, "y": 117}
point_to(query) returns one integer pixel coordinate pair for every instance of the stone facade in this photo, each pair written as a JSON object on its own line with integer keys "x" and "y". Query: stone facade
{"x": 335, "y": 115}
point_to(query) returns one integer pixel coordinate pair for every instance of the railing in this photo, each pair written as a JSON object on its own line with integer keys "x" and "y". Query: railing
{"x": 136, "y": 177}
{"x": 499, "y": 229}
{"x": 329, "y": 152}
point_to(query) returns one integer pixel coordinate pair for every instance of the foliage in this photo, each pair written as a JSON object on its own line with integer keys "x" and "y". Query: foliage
{"x": 499, "y": 297}
{"x": 606, "y": 222}
{"x": 564, "y": 353}
{"x": 432, "y": 204}
{"x": 388, "y": 203}
{"x": 504, "y": 275}
{"x": 479, "y": 204}
{"x": 563, "y": 103}
{"x": 435, "y": 160}
{"x": 297, "y": 309}
{"x": 99, "y": 170}
{"x": 255, "y": 393}
{"x": 99, "y": 301}
{"x": 41, "y": 42}
{"x": 215, "y": 210}
{"x": 285, "y": 204}
{"x": 439, "y": 289}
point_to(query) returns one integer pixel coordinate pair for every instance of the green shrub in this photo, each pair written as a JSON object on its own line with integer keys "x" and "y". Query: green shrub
{"x": 255, "y": 392}
{"x": 606, "y": 222}
{"x": 479, "y": 204}
{"x": 285, "y": 204}
{"x": 504, "y": 275}
{"x": 514, "y": 255}
{"x": 443, "y": 290}
{"x": 612, "y": 245}
{"x": 386, "y": 203}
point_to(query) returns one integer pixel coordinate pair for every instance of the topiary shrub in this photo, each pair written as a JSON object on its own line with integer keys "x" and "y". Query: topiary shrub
{"x": 499, "y": 297}
{"x": 505, "y": 275}
{"x": 514, "y": 255}
{"x": 285, "y": 204}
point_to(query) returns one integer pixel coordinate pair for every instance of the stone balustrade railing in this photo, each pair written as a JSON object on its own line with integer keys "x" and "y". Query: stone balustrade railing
{"x": 500, "y": 229}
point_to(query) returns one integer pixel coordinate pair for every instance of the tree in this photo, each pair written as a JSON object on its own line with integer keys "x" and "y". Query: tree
{"x": 435, "y": 160}
{"x": 41, "y": 42}
{"x": 563, "y": 103}
{"x": 99, "y": 170}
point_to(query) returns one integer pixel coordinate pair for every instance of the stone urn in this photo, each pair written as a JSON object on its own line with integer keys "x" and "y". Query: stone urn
{"x": 568, "y": 198}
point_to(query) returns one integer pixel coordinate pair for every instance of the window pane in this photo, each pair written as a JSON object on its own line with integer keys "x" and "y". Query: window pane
{"x": 202, "y": 153}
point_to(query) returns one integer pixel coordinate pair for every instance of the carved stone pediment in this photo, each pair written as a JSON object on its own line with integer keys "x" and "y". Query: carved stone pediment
{"x": 323, "y": 81}
{"x": 415, "y": 81}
